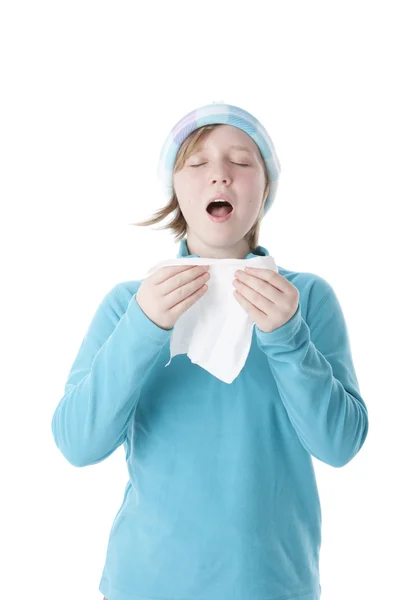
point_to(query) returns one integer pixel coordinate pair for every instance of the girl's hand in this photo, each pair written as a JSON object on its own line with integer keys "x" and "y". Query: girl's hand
{"x": 171, "y": 291}
{"x": 267, "y": 297}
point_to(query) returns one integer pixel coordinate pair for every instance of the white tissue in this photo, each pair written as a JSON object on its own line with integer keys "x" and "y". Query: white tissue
{"x": 216, "y": 332}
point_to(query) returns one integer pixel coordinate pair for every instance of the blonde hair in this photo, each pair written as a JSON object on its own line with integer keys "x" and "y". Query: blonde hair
{"x": 178, "y": 224}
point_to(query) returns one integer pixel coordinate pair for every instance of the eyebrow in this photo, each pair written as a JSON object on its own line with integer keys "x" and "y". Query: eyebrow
{"x": 236, "y": 146}
{"x": 241, "y": 148}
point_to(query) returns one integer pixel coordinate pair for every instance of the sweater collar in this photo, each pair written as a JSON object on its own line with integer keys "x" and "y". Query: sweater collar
{"x": 184, "y": 252}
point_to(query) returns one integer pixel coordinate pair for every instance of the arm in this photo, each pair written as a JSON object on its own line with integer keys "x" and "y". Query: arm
{"x": 313, "y": 369}
{"x": 104, "y": 383}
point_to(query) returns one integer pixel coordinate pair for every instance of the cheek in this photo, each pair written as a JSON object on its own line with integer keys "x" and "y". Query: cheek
{"x": 253, "y": 182}
{"x": 247, "y": 183}
{"x": 187, "y": 189}
{"x": 180, "y": 186}
{"x": 191, "y": 183}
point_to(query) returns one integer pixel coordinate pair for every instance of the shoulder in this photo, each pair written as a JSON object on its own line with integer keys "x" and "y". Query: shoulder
{"x": 121, "y": 294}
{"x": 115, "y": 301}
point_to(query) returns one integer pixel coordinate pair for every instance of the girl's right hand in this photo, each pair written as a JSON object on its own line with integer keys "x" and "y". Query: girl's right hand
{"x": 170, "y": 291}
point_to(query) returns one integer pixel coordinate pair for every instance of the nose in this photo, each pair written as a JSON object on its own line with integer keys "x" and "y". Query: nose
{"x": 221, "y": 174}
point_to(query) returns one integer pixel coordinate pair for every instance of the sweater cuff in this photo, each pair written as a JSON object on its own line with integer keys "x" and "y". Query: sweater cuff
{"x": 145, "y": 326}
{"x": 282, "y": 335}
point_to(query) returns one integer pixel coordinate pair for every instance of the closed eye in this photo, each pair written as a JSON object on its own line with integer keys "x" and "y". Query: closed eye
{"x": 239, "y": 164}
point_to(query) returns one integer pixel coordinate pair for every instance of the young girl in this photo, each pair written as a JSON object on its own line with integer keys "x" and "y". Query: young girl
{"x": 222, "y": 501}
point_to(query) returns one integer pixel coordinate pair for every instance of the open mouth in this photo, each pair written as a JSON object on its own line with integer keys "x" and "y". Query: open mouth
{"x": 219, "y": 209}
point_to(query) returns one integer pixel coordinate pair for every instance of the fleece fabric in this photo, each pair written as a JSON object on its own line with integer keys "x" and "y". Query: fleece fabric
{"x": 221, "y": 502}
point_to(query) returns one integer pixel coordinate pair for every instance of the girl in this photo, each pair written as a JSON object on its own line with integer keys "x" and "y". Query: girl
{"x": 222, "y": 501}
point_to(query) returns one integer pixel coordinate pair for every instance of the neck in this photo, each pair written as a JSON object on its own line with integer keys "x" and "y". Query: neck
{"x": 196, "y": 246}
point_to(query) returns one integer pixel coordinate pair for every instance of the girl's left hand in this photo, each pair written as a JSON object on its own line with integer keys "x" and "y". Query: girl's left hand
{"x": 267, "y": 297}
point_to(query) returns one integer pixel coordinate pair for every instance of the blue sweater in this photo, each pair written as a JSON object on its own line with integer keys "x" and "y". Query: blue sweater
{"x": 222, "y": 501}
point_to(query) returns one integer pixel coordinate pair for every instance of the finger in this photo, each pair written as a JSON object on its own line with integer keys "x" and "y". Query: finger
{"x": 252, "y": 311}
{"x": 261, "y": 286}
{"x": 182, "y": 306}
{"x": 166, "y": 272}
{"x": 177, "y": 295}
{"x": 180, "y": 279}
{"x": 272, "y": 277}
{"x": 265, "y": 305}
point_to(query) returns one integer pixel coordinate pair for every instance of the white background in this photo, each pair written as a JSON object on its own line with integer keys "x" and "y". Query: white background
{"x": 89, "y": 91}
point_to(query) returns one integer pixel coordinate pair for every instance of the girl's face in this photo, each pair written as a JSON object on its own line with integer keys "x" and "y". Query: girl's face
{"x": 218, "y": 167}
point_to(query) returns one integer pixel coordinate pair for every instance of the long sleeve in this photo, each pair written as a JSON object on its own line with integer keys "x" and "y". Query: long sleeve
{"x": 116, "y": 356}
{"x": 314, "y": 372}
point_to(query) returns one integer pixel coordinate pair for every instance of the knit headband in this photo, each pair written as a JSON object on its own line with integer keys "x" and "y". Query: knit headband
{"x": 226, "y": 114}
